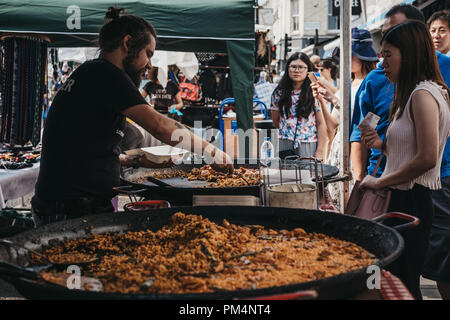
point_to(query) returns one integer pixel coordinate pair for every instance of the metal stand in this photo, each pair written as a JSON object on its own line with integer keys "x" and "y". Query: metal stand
{"x": 313, "y": 165}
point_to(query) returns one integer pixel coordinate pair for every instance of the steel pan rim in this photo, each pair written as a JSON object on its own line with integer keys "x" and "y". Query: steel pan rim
{"x": 334, "y": 280}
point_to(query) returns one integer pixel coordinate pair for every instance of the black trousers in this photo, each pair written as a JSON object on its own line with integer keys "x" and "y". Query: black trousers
{"x": 408, "y": 267}
{"x": 437, "y": 262}
{"x": 45, "y": 212}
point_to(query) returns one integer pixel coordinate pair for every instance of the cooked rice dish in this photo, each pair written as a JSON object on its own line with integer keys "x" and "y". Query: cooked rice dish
{"x": 191, "y": 254}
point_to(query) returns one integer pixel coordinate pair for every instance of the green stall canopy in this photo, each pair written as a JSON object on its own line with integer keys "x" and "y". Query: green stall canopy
{"x": 219, "y": 26}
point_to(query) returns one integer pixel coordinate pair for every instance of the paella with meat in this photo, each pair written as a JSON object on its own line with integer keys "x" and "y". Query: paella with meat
{"x": 192, "y": 254}
{"x": 240, "y": 177}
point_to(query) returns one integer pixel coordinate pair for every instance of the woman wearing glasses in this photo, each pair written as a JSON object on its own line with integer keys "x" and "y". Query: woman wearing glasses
{"x": 296, "y": 113}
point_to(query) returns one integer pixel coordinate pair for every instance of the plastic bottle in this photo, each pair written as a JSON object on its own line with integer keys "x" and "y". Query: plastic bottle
{"x": 266, "y": 151}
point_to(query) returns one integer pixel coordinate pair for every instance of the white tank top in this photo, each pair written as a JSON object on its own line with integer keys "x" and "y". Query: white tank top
{"x": 401, "y": 139}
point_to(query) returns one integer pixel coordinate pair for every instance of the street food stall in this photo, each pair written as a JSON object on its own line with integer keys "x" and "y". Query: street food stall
{"x": 193, "y": 252}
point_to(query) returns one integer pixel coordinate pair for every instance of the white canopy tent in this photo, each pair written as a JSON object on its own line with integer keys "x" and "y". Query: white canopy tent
{"x": 185, "y": 61}
{"x": 79, "y": 55}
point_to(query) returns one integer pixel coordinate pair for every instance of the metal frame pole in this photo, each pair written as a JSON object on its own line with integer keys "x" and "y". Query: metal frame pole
{"x": 345, "y": 75}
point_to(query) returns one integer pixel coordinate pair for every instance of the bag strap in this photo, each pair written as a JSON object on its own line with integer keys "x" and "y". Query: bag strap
{"x": 383, "y": 148}
{"x": 295, "y": 134}
{"x": 374, "y": 173}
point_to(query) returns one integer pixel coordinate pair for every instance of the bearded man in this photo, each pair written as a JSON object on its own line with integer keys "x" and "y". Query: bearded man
{"x": 80, "y": 162}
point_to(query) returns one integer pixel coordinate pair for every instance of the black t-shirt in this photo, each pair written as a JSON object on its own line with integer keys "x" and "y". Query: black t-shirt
{"x": 84, "y": 127}
{"x": 162, "y": 98}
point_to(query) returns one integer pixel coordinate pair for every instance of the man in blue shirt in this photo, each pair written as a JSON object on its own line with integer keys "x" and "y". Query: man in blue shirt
{"x": 437, "y": 262}
{"x": 376, "y": 95}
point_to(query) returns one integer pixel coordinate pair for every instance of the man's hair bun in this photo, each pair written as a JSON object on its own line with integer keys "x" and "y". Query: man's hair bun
{"x": 113, "y": 13}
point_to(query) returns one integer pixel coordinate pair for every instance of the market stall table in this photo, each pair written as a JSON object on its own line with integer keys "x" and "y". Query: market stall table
{"x": 15, "y": 184}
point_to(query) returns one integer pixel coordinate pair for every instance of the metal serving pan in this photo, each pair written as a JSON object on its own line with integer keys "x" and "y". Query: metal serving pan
{"x": 384, "y": 242}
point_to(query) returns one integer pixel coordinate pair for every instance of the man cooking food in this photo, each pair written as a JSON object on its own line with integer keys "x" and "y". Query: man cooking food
{"x": 80, "y": 147}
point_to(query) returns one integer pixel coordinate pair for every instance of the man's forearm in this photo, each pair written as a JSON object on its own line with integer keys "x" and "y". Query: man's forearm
{"x": 359, "y": 155}
{"x": 165, "y": 129}
{"x": 180, "y": 136}
{"x": 175, "y": 134}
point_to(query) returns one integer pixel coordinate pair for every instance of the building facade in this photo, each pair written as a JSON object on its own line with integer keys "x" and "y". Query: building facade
{"x": 306, "y": 22}
{"x": 315, "y": 30}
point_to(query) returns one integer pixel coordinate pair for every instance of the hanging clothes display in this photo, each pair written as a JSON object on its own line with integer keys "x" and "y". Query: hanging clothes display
{"x": 22, "y": 88}
{"x": 208, "y": 83}
{"x": 225, "y": 90}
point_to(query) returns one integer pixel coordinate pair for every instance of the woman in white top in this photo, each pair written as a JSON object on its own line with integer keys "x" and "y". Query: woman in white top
{"x": 419, "y": 127}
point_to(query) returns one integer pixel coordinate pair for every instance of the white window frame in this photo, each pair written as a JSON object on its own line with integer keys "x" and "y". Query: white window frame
{"x": 295, "y": 15}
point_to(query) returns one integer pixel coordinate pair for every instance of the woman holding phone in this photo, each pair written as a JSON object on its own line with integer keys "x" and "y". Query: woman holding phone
{"x": 364, "y": 59}
{"x": 419, "y": 127}
{"x": 295, "y": 112}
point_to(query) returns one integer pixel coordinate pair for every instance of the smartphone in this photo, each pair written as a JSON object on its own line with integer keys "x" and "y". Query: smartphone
{"x": 312, "y": 77}
{"x": 370, "y": 120}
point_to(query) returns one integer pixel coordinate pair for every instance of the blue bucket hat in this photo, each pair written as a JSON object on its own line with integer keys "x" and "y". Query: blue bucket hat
{"x": 362, "y": 45}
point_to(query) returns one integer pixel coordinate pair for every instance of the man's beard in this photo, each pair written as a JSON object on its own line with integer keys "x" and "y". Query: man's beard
{"x": 135, "y": 74}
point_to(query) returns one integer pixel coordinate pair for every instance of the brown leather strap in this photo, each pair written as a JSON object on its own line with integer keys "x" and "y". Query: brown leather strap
{"x": 383, "y": 148}
{"x": 374, "y": 173}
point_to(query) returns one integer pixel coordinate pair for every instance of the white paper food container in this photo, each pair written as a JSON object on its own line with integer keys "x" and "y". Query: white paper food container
{"x": 159, "y": 154}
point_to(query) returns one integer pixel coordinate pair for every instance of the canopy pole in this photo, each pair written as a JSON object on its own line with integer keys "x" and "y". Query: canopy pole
{"x": 345, "y": 75}
{"x": 242, "y": 61}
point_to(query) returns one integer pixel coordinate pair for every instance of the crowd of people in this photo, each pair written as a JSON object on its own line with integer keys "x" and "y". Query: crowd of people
{"x": 407, "y": 88}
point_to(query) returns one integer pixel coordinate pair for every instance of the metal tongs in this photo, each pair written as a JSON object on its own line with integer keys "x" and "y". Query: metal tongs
{"x": 159, "y": 182}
